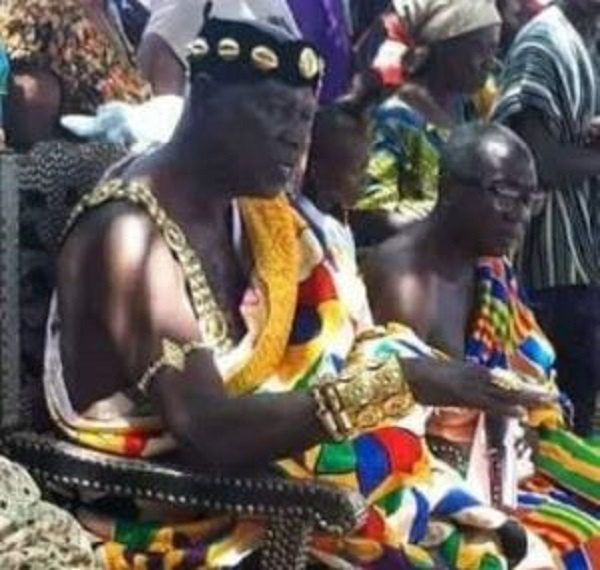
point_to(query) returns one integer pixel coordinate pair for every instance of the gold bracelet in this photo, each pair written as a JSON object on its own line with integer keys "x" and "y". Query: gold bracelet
{"x": 375, "y": 394}
{"x": 173, "y": 356}
{"x": 362, "y": 397}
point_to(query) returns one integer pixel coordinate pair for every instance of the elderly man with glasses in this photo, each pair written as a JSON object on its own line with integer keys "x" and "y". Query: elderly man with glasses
{"x": 449, "y": 278}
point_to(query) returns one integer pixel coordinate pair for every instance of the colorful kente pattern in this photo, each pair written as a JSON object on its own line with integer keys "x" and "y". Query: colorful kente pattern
{"x": 419, "y": 510}
{"x": 562, "y": 502}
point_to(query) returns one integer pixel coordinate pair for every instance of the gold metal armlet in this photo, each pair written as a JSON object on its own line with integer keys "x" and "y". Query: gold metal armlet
{"x": 173, "y": 356}
{"x": 378, "y": 384}
{"x": 364, "y": 396}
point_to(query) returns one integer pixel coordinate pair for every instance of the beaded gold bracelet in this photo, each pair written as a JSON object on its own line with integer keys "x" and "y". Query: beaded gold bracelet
{"x": 173, "y": 356}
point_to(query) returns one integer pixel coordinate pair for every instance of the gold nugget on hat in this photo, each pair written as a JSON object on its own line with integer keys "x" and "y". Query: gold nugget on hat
{"x": 228, "y": 49}
{"x": 264, "y": 58}
{"x": 199, "y": 48}
{"x": 308, "y": 63}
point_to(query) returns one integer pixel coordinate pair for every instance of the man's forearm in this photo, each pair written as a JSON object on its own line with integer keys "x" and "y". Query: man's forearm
{"x": 557, "y": 162}
{"x": 252, "y": 431}
{"x": 570, "y": 164}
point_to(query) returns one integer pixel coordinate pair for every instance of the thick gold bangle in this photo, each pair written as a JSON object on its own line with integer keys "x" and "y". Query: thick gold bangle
{"x": 377, "y": 392}
{"x": 173, "y": 356}
{"x": 363, "y": 397}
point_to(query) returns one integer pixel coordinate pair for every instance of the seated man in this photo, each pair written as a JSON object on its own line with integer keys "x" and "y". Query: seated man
{"x": 200, "y": 311}
{"x": 448, "y": 277}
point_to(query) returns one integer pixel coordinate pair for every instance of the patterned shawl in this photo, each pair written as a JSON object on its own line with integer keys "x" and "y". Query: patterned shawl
{"x": 562, "y": 501}
{"x": 304, "y": 311}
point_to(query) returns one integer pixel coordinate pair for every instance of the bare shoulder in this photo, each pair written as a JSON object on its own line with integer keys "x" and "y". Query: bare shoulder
{"x": 111, "y": 249}
{"x": 396, "y": 283}
{"x": 392, "y": 258}
{"x": 114, "y": 232}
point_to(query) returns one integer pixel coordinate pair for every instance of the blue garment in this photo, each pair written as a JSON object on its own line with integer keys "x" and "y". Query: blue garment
{"x": 4, "y": 79}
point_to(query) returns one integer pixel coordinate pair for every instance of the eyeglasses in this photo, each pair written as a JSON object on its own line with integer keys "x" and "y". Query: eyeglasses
{"x": 507, "y": 200}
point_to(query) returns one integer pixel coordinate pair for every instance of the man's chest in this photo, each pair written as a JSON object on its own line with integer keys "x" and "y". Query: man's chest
{"x": 227, "y": 269}
{"x": 449, "y": 317}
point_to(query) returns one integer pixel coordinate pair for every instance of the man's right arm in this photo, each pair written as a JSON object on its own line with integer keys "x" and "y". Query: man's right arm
{"x": 557, "y": 163}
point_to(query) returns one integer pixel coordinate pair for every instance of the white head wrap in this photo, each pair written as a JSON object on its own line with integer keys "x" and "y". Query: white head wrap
{"x": 431, "y": 21}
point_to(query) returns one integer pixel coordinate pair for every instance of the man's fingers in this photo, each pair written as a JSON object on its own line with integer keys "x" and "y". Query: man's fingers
{"x": 529, "y": 397}
{"x": 502, "y": 409}
{"x": 514, "y": 389}
{"x": 489, "y": 401}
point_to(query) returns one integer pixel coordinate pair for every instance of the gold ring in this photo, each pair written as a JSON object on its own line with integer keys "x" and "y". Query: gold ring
{"x": 506, "y": 380}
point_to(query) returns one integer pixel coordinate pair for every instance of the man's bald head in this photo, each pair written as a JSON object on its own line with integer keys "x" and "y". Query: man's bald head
{"x": 476, "y": 151}
{"x": 488, "y": 187}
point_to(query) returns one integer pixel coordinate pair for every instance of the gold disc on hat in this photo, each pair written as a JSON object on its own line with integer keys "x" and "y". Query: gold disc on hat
{"x": 198, "y": 48}
{"x": 228, "y": 49}
{"x": 264, "y": 58}
{"x": 308, "y": 63}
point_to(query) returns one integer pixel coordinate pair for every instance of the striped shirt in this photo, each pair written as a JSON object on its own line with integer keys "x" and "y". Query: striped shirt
{"x": 550, "y": 70}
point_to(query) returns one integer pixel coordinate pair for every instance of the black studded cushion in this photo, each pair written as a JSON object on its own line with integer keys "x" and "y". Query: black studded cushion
{"x": 52, "y": 177}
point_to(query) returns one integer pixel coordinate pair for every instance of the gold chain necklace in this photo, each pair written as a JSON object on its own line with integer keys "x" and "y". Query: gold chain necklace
{"x": 211, "y": 319}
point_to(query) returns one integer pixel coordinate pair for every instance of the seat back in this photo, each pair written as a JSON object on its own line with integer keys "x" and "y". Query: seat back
{"x": 38, "y": 190}
{"x": 34, "y": 206}
{"x": 9, "y": 294}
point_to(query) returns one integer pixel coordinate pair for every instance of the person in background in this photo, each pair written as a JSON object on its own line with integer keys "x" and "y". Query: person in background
{"x": 66, "y": 57}
{"x": 338, "y": 157}
{"x": 339, "y": 152}
{"x": 449, "y": 278}
{"x": 549, "y": 96}
{"x": 437, "y": 55}
{"x": 515, "y": 14}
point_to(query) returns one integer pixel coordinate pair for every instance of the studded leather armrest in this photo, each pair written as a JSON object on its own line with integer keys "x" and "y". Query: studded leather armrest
{"x": 51, "y": 460}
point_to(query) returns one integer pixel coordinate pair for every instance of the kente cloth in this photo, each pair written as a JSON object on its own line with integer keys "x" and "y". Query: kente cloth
{"x": 549, "y": 71}
{"x": 304, "y": 311}
{"x": 92, "y": 66}
{"x": 561, "y": 502}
